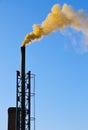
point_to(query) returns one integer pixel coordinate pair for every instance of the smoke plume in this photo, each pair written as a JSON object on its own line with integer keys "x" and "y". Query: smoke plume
{"x": 59, "y": 18}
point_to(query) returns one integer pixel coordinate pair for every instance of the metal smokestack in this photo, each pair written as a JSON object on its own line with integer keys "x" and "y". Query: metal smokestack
{"x": 23, "y": 96}
{"x": 22, "y": 111}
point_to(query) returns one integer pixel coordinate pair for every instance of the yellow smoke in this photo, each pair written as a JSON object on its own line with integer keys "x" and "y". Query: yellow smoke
{"x": 59, "y": 18}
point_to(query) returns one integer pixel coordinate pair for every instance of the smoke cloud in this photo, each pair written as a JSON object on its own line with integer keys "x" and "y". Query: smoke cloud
{"x": 59, "y": 18}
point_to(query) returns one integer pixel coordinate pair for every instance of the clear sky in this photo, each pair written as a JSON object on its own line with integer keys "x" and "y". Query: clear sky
{"x": 59, "y": 61}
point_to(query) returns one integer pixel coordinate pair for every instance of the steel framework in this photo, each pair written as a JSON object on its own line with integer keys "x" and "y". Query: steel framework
{"x": 25, "y": 97}
{"x": 29, "y": 102}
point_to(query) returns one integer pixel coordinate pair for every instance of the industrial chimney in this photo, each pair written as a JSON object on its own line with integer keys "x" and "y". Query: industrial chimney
{"x": 25, "y": 96}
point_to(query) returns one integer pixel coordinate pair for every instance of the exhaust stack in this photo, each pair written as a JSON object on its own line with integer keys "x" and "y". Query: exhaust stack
{"x": 24, "y": 101}
{"x": 22, "y": 73}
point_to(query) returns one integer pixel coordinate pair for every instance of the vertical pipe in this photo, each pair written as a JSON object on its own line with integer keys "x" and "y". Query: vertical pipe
{"x": 22, "y": 112}
{"x": 34, "y": 102}
{"x": 29, "y": 100}
{"x": 17, "y": 73}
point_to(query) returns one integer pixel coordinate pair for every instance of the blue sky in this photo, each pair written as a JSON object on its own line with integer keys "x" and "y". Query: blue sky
{"x": 61, "y": 68}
